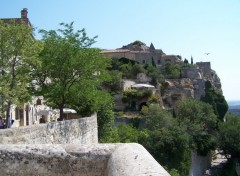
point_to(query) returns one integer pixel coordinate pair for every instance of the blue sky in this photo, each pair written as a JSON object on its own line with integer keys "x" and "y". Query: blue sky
{"x": 182, "y": 27}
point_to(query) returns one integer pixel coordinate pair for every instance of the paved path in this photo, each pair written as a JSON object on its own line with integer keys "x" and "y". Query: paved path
{"x": 216, "y": 165}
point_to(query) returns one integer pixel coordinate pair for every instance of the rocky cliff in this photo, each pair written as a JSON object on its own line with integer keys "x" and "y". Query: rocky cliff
{"x": 192, "y": 84}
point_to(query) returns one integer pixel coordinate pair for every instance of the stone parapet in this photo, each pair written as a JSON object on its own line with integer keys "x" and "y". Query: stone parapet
{"x": 78, "y": 160}
{"x": 77, "y": 131}
{"x": 133, "y": 159}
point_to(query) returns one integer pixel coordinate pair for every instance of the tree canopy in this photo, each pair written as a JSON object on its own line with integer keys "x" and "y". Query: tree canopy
{"x": 18, "y": 52}
{"x": 70, "y": 73}
{"x": 229, "y": 136}
{"x": 200, "y": 123}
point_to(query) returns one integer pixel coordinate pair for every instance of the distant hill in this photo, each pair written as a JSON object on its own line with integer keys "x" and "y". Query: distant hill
{"x": 234, "y": 107}
{"x": 233, "y": 103}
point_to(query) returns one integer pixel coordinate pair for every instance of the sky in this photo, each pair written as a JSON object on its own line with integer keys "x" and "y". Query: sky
{"x": 181, "y": 27}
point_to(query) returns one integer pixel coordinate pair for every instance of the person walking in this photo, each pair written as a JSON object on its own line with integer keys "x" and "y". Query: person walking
{"x": 1, "y": 123}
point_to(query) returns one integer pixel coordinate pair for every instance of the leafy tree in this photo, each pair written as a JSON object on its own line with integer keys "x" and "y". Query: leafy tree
{"x": 185, "y": 61}
{"x": 216, "y": 100}
{"x": 152, "y": 72}
{"x": 229, "y": 137}
{"x": 127, "y": 133}
{"x": 137, "y": 68}
{"x": 200, "y": 123}
{"x": 18, "y": 52}
{"x": 114, "y": 84}
{"x": 107, "y": 132}
{"x": 69, "y": 72}
{"x": 171, "y": 70}
{"x": 167, "y": 142}
{"x": 155, "y": 117}
{"x": 126, "y": 70}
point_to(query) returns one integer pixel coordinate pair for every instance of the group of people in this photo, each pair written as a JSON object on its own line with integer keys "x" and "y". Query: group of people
{"x": 3, "y": 123}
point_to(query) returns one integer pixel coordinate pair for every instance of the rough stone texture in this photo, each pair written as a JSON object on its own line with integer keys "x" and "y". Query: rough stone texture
{"x": 143, "y": 78}
{"x": 133, "y": 159}
{"x": 199, "y": 88}
{"x": 78, "y": 160}
{"x": 178, "y": 89}
{"x": 199, "y": 164}
{"x": 127, "y": 83}
{"x": 54, "y": 160}
{"x": 70, "y": 148}
{"x": 77, "y": 131}
{"x": 192, "y": 73}
{"x": 206, "y": 68}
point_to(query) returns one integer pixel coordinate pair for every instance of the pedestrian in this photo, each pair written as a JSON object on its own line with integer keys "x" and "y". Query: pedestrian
{"x": 10, "y": 122}
{"x": 1, "y": 123}
{"x": 42, "y": 119}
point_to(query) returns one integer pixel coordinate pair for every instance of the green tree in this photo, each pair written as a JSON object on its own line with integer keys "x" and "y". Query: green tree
{"x": 164, "y": 139}
{"x": 69, "y": 72}
{"x": 152, "y": 72}
{"x": 216, "y": 100}
{"x": 229, "y": 137}
{"x": 107, "y": 132}
{"x": 137, "y": 68}
{"x": 185, "y": 61}
{"x": 18, "y": 52}
{"x": 127, "y": 133}
{"x": 200, "y": 123}
{"x": 156, "y": 118}
{"x": 171, "y": 70}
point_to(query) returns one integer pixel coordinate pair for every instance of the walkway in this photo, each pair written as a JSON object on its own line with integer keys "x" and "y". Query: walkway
{"x": 216, "y": 165}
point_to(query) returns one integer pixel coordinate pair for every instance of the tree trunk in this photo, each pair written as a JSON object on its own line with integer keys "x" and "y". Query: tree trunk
{"x": 61, "y": 112}
{"x": 8, "y": 116}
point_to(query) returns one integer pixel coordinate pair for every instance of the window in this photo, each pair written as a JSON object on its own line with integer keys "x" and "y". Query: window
{"x": 143, "y": 61}
{"x": 159, "y": 62}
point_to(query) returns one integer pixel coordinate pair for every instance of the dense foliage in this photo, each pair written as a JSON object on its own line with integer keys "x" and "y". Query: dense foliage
{"x": 229, "y": 137}
{"x": 69, "y": 72}
{"x": 18, "y": 52}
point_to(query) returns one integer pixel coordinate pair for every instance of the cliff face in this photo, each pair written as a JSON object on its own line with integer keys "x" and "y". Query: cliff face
{"x": 192, "y": 84}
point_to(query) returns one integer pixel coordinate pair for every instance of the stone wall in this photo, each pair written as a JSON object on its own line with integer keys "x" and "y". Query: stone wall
{"x": 199, "y": 164}
{"x": 54, "y": 159}
{"x": 192, "y": 73}
{"x": 70, "y": 148}
{"x": 206, "y": 68}
{"x": 78, "y": 160}
{"x": 133, "y": 159}
{"x": 77, "y": 131}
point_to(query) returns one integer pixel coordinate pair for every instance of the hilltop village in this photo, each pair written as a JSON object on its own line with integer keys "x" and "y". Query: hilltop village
{"x": 189, "y": 82}
{"x": 62, "y": 101}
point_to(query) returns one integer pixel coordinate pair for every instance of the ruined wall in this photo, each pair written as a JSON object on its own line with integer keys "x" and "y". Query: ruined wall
{"x": 77, "y": 131}
{"x": 192, "y": 73}
{"x": 205, "y": 67}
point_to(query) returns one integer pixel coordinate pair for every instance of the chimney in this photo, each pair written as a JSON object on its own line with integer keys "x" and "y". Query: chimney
{"x": 24, "y": 13}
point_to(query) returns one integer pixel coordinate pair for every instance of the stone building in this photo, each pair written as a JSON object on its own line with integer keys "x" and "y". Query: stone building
{"x": 138, "y": 51}
{"x": 23, "y": 18}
